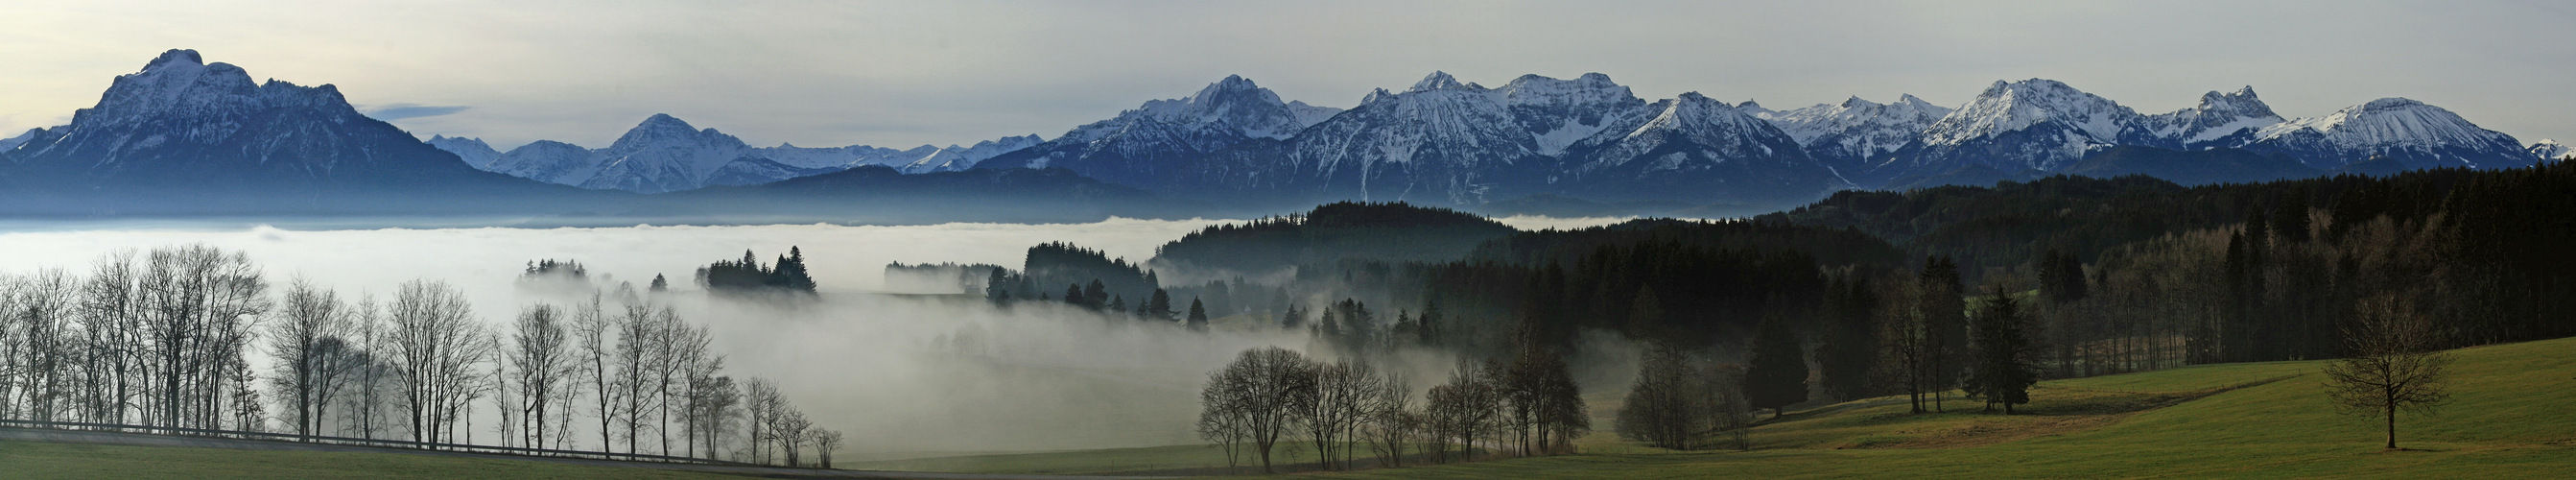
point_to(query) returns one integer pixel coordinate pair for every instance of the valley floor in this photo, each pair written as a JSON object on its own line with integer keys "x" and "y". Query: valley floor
{"x": 2512, "y": 415}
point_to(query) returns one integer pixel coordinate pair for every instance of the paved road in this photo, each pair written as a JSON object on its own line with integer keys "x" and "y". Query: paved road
{"x": 137, "y": 439}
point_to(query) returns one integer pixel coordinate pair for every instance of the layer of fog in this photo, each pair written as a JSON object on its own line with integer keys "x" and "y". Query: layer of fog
{"x": 897, "y": 373}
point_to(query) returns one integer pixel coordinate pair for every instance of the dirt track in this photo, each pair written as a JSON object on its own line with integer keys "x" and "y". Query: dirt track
{"x": 136, "y": 439}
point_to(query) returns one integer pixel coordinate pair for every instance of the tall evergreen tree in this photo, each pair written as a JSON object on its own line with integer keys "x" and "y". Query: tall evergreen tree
{"x": 1850, "y": 349}
{"x": 1775, "y": 376}
{"x": 1158, "y": 307}
{"x": 1427, "y": 327}
{"x": 1095, "y": 295}
{"x": 1198, "y": 321}
{"x": 1945, "y": 323}
{"x": 1646, "y": 314}
{"x": 2003, "y": 372}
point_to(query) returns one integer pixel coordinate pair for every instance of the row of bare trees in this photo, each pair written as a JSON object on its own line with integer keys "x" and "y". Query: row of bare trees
{"x": 1272, "y": 399}
{"x": 166, "y": 339}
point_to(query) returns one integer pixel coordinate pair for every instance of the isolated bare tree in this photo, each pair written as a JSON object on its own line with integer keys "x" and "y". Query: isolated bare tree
{"x": 2393, "y": 368}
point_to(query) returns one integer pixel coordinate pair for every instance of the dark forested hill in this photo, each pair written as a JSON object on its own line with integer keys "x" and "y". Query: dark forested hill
{"x": 1343, "y": 230}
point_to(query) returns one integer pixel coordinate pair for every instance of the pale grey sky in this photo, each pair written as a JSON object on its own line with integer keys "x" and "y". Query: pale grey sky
{"x": 907, "y": 73}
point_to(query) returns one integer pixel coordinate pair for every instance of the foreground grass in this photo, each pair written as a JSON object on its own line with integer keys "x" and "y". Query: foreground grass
{"x": 1145, "y": 459}
{"x": 83, "y": 461}
{"x": 2513, "y": 415}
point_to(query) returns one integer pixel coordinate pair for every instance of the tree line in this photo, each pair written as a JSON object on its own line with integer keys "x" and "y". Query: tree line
{"x": 167, "y": 339}
{"x": 1271, "y": 401}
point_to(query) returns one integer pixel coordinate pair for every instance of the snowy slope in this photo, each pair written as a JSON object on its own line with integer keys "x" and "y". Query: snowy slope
{"x": 1161, "y": 140}
{"x": 1700, "y": 150}
{"x": 955, "y": 158}
{"x": 2011, "y": 130}
{"x": 2412, "y": 133}
{"x": 472, "y": 150}
{"x": 2550, "y": 150}
{"x": 1847, "y": 133}
{"x": 2218, "y": 120}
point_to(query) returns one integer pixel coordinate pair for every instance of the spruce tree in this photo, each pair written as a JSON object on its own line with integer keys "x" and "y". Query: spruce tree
{"x": 1775, "y": 376}
{"x": 1945, "y": 326}
{"x": 2003, "y": 372}
{"x": 1158, "y": 307}
{"x": 1198, "y": 316}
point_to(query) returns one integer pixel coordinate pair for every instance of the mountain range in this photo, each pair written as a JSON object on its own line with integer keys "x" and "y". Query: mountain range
{"x": 187, "y": 137}
{"x": 183, "y": 128}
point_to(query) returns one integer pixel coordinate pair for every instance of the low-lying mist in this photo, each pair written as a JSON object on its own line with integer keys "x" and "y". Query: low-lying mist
{"x": 895, "y": 372}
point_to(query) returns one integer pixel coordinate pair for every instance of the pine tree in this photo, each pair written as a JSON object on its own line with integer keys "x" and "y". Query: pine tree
{"x": 1073, "y": 295}
{"x": 1198, "y": 316}
{"x": 1850, "y": 348}
{"x": 660, "y": 284}
{"x": 1095, "y": 295}
{"x": 2003, "y": 372}
{"x": 1775, "y": 377}
{"x": 1427, "y": 327}
{"x": 1158, "y": 307}
{"x": 1646, "y": 315}
{"x": 1945, "y": 323}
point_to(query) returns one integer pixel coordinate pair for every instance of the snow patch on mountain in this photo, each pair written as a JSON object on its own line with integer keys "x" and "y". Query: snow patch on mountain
{"x": 472, "y": 150}
{"x": 2416, "y": 134}
{"x": 2014, "y": 106}
{"x": 1857, "y": 128}
{"x": 2550, "y": 150}
{"x": 2218, "y": 116}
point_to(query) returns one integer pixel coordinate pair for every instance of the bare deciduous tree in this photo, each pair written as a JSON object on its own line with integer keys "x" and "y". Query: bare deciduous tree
{"x": 309, "y": 346}
{"x": 2393, "y": 368}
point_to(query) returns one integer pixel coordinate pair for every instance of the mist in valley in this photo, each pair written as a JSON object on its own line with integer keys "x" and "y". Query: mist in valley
{"x": 906, "y": 372}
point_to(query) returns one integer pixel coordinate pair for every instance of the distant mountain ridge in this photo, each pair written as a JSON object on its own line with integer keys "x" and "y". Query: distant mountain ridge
{"x": 183, "y": 137}
{"x": 182, "y": 127}
{"x": 1448, "y": 142}
{"x": 666, "y": 154}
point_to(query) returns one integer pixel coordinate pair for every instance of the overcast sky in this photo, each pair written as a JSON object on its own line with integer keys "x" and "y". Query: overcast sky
{"x": 903, "y": 74}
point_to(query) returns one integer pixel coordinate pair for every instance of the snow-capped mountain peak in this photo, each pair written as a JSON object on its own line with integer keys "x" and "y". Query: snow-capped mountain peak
{"x": 2418, "y": 135}
{"x": 2218, "y": 120}
{"x": 1437, "y": 80}
{"x": 1857, "y": 128}
{"x": 1559, "y": 113}
{"x": 2014, "y": 106}
{"x": 1221, "y": 113}
{"x": 472, "y": 150}
{"x": 2551, "y": 150}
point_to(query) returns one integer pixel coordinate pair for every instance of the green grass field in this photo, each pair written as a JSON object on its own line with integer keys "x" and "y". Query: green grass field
{"x": 2513, "y": 415}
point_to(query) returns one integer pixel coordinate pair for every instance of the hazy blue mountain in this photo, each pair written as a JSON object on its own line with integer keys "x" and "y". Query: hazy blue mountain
{"x": 182, "y": 135}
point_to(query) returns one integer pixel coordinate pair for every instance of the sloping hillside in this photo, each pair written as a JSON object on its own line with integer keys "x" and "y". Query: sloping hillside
{"x": 2510, "y": 416}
